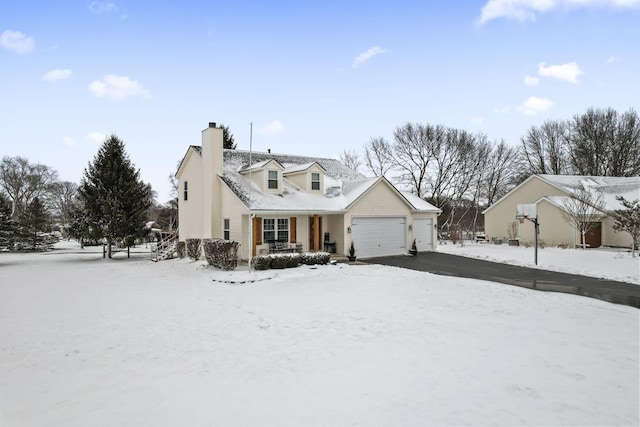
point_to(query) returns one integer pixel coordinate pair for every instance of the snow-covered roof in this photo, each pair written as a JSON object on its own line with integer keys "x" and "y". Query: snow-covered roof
{"x": 258, "y": 165}
{"x": 607, "y": 186}
{"x": 301, "y": 168}
{"x": 343, "y": 186}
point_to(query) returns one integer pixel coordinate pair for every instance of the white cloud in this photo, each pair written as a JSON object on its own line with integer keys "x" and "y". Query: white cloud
{"x": 99, "y": 7}
{"x": 531, "y": 81}
{"x": 117, "y": 87}
{"x": 612, "y": 59}
{"x": 535, "y": 105}
{"x": 273, "y": 127}
{"x": 16, "y": 42}
{"x": 96, "y": 137}
{"x": 568, "y": 72}
{"x": 477, "y": 120}
{"x": 59, "y": 74}
{"x": 365, "y": 56}
{"x": 527, "y": 10}
{"x": 68, "y": 141}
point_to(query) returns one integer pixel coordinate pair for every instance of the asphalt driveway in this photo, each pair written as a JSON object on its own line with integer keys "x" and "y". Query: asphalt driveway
{"x": 532, "y": 278}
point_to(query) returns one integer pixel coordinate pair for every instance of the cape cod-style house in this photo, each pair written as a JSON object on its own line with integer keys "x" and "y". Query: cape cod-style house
{"x": 295, "y": 202}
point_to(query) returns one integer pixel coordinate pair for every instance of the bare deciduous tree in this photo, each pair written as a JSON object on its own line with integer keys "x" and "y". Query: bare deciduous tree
{"x": 63, "y": 200}
{"x": 544, "y": 149}
{"x": 22, "y": 181}
{"x": 583, "y": 210}
{"x": 351, "y": 159}
{"x": 603, "y": 143}
{"x": 500, "y": 170}
{"x": 377, "y": 156}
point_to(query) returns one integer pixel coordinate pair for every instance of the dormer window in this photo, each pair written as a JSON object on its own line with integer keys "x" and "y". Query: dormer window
{"x": 273, "y": 180}
{"x": 315, "y": 181}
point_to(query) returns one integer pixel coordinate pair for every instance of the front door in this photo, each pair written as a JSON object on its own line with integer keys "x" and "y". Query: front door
{"x": 593, "y": 237}
{"x": 315, "y": 231}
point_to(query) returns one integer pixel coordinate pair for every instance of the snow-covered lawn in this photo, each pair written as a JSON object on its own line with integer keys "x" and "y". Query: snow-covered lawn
{"x": 609, "y": 263}
{"x": 92, "y": 342}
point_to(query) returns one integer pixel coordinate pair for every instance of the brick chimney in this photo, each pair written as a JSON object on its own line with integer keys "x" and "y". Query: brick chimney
{"x": 212, "y": 168}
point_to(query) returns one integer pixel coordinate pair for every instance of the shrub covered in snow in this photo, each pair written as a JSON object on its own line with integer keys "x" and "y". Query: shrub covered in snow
{"x": 194, "y": 247}
{"x": 312, "y": 258}
{"x": 261, "y": 262}
{"x": 278, "y": 261}
{"x": 182, "y": 250}
{"x": 221, "y": 253}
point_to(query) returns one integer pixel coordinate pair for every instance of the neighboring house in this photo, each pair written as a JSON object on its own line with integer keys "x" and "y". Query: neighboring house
{"x": 308, "y": 203}
{"x": 550, "y": 194}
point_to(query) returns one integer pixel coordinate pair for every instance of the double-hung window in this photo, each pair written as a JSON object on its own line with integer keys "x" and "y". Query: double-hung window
{"x": 275, "y": 229}
{"x": 227, "y": 228}
{"x": 283, "y": 229}
{"x": 315, "y": 181}
{"x": 273, "y": 180}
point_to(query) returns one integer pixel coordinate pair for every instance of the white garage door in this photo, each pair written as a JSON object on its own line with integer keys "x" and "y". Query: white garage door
{"x": 378, "y": 236}
{"x": 423, "y": 233}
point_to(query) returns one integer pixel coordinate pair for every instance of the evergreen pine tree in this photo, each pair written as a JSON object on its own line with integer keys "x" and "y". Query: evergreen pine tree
{"x": 115, "y": 199}
{"x": 227, "y": 138}
{"x": 7, "y": 226}
{"x": 34, "y": 222}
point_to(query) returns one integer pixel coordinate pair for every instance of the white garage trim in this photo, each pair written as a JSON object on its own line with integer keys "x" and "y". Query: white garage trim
{"x": 423, "y": 233}
{"x": 379, "y": 236}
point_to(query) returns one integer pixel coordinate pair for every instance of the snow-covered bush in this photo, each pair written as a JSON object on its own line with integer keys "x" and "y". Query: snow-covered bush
{"x": 279, "y": 261}
{"x": 194, "y": 247}
{"x": 261, "y": 262}
{"x": 312, "y": 258}
{"x": 293, "y": 260}
{"x": 221, "y": 253}
{"x": 182, "y": 249}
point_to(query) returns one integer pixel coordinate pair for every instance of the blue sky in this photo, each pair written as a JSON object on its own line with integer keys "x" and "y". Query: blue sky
{"x": 314, "y": 78}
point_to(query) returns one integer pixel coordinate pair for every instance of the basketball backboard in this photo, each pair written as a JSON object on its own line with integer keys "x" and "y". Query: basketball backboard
{"x": 527, "y": 211}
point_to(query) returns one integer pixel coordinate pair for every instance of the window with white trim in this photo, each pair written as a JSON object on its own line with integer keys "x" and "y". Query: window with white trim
{"x": 227, "y": 228}
{"x": 273, "y": 180}
{"x": 186, "y": 190}
{"x": 315, "y": 181}
{"x": 275, "y": 229}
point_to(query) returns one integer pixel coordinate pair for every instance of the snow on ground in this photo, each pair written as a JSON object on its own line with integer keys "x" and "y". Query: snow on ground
{"x": 607, "y": 263}
{"x": 127, "y": 342}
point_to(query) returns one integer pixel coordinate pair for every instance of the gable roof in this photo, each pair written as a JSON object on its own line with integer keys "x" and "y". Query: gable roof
{"x": 607, "y": 186}
{"x": 260, "y": 165}
{"x": 302, "y": 168}
{"x": 343, "y": 186}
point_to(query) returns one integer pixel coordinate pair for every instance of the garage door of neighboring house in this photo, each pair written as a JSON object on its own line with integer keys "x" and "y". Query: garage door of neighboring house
{"x": 378, "y": 236}
{"x": 423, "y": 233}
{"x": 593, "y": 237}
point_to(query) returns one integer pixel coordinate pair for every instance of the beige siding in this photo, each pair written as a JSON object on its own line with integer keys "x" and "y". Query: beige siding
{"x": 337, "y": 231}
{"x": 190, "y": 211}
{"x": 303, "y": 179}
{"x": 212, "y": 167}
{"x": 237, "y": 213}
{"x": 612, "y": 238}
{"x": 378, "y": 201}
{"x": 554, "y": 230}
{"x": 500, "y": 215}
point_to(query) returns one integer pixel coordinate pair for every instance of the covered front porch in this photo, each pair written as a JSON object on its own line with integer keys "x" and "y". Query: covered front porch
{"x": 308, "y": 232}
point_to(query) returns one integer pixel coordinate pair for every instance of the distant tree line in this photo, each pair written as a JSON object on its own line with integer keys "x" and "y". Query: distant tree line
{"x": 463, "y": 173}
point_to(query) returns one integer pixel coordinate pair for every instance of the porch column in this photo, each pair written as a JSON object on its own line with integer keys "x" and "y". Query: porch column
{"x": 316, "y": 232}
